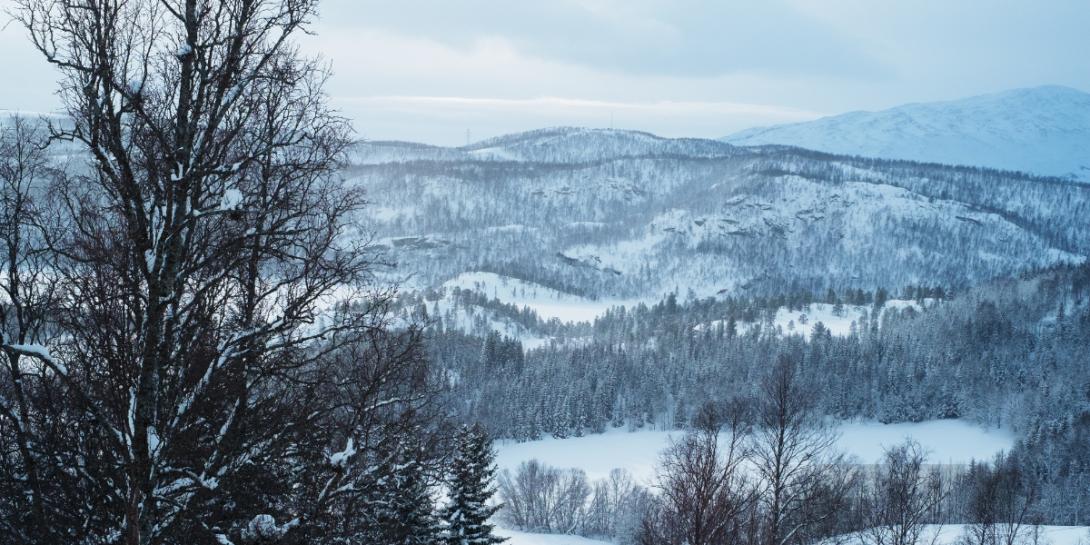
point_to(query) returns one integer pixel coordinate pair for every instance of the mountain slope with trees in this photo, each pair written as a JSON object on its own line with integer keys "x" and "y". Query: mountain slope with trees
{"x": 652, "y": 216}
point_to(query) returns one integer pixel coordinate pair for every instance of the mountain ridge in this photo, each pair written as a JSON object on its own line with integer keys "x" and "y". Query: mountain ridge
{"x": 1040, "y": 130}
{"x": 649, "y": 215}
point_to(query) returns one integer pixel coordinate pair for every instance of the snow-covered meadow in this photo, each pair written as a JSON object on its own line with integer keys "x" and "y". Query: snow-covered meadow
{"x": 515, "y": 537}
{"x": 948, "y": 534}
{"x": 947, "y": 442}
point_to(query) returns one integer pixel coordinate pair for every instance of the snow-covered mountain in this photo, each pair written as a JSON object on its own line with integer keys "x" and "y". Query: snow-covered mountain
{"x": 552, "y": 145}
{"x": 606, "y": 214}
{"x": 1041, "y": 130}
{"x": 577, "y": 145}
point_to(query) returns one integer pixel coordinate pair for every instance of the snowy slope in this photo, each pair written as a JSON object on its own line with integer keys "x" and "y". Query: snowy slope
{"x": 1042, "y": 130}
{"x": 378, "y": 152}
{"x": 605, "y": 216}
{"x": 455, "y": 314}
{"x": 547, "y": 302}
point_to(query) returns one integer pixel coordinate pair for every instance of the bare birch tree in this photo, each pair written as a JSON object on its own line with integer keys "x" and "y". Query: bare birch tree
{"x": 28, "y": 292}
{"x": 904, "y": 497}
{"x": 703, "y": 498}
{"x": 802, "y": 482}
{"x": 220, "y": 367}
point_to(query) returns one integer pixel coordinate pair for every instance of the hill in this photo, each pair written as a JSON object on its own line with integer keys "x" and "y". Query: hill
{"x": 1041, "y": 130}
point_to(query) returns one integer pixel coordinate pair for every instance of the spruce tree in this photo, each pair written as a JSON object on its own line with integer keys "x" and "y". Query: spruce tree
{"x": 472, "y": 469}
{"x": 404, "y": 513}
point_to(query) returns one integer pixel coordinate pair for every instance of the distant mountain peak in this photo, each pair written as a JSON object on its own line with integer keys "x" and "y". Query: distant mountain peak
{"x": 548, "y": 133}
{"x": 564, "y": 145}
{"x": 1042, "y": 130}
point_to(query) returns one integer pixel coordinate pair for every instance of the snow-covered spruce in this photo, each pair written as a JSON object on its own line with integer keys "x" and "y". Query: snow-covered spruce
{"x": 472, "y": 469}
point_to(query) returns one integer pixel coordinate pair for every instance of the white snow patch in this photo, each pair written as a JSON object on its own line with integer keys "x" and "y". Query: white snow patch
{"x": 597, "y": 455}
{"x": 231, "y": 198}
{"x": 389, "y": 213}
{"x": 515, "y": 537}
{"x": 264, "y": 527}
{"x": 341, "y": 458}
{"x": 495, "y": 154}
{"x": 840, "y": 323}
{"x": 509, "y": 228}
{"x": 547, "y": 302}
{"x": 41, "y": 353}
{"x": 952, "y": 534}
{"x": 946, "y": 441}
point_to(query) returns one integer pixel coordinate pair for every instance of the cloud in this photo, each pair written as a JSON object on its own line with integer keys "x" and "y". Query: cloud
{"x": 658, "y": 62}
{"x": 28, "y": 81}
{"x": 690, "y": 38}
{"x": 559, "y": 103}
{"x": 430, "y": 69}
{"x": 446, "y": 118}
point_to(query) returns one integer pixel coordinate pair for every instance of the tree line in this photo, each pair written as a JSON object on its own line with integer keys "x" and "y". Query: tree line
{"x": 1009, "y": 353}
{"x": 765, "y": 471}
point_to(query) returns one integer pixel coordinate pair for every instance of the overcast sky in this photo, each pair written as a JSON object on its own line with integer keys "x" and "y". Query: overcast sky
{"x": 431, "y": 70}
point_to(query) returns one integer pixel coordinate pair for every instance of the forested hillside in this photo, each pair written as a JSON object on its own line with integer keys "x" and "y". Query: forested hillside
{"x": 1011, "y": 353}
{"x": 620, "y": 214}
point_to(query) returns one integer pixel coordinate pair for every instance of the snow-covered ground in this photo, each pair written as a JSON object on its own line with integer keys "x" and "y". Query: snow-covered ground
{"x": 839, "y": 322}
{"x": 550, "y": 303}
{"x": 597, "y": 454}
{"x": 472, "y": 318}
{"x": 1044, "y": 130}
{"x": 547, "y": 302}
{"x": 947, "y": 534}
{"x": 947, "y": 442}
{"x": 951, "y": 534}
{"x": 515, "y": 537}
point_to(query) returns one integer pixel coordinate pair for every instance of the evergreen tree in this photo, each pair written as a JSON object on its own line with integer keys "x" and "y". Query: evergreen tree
{"x": 404, "y": 513}
{"x": 472, "y": 470}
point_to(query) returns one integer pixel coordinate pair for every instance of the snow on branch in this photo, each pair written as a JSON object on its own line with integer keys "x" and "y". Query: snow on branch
{"x": 37, "y": 351}
{"x": 339, "y": 459}
{"x": 264, "y": 527}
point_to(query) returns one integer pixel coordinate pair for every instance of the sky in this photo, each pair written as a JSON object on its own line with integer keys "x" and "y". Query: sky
{"x": 444, "y": 71}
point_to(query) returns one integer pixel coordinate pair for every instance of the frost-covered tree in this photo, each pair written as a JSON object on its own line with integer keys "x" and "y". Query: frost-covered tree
{"x": 794, "y": 459}
{"x": 703, "y": 497}
{"x": 471, "y": 487}
{"x": 403, "y": 508}
{"x": 1001, "y": 502}
{"x": 904, "y": 498}
{"x": 29, "y": 292}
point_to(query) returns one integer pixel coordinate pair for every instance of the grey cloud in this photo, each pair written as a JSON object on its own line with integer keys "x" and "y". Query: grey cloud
{"x": 649, "y": 37}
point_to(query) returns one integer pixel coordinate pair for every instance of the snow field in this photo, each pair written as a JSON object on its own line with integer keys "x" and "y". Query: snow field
{"x": 547, "y": 302}
{"x": 515, "y": 537}
{"x": 947, "y": 442}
